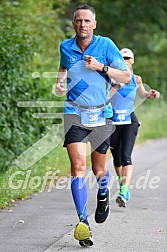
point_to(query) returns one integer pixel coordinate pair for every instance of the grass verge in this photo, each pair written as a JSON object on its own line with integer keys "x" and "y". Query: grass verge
{"x": 153, "y": 117}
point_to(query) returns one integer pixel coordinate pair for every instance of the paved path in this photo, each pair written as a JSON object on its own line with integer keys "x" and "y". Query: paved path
{"x": 49, "y": 217}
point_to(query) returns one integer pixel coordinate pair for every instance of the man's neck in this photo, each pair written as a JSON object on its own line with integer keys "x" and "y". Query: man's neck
{"x": 83, "y": 43}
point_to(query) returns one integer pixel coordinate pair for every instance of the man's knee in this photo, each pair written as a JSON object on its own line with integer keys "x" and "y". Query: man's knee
{"x": 78, "y": 168}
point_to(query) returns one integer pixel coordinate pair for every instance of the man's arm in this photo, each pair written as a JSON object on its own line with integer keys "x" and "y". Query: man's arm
{"x": 62, "y": 76}
{"x": 123, "y": 76}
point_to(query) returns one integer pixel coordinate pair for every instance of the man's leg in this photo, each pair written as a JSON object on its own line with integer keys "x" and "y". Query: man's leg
{"x": 77, "y": 155}
{"x": 103, "y": 195}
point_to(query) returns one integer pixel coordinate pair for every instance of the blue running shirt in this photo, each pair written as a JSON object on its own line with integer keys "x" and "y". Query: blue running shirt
{"x": 123, "y": 102}
{"x": 85, "y": 86}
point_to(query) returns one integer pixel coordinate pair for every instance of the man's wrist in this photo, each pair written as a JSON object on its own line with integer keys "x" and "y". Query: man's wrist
{"x": 116, "y": 87}
{"x": 105, "y": 69}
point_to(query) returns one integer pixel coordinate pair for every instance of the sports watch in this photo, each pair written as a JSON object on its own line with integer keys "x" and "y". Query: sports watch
{"x": 105, "y": 69}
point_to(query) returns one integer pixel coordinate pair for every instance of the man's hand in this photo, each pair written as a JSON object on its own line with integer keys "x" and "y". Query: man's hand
{"x": 93, "y": 64}
{"x": 60, "y": 90}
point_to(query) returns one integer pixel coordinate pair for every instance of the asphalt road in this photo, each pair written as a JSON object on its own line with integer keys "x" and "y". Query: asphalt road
{"x": 46, "y": 222}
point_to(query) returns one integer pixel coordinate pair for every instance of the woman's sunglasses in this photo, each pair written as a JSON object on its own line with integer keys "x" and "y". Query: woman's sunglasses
{"x": 127, "y": 58}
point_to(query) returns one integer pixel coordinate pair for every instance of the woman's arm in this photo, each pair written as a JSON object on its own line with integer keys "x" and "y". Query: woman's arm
{"x": 115, "y": 87}
{"x": 143, "y": 93}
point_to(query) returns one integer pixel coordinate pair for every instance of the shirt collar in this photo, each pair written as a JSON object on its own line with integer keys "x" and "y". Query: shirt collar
{"x": 75, "y": 46}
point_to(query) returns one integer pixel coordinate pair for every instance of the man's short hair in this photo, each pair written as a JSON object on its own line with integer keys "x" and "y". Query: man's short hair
{"x": 84, "y": 7}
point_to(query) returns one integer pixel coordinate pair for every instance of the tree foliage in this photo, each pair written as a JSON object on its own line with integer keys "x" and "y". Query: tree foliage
{"x": 141, "y": 26}
{"x": 29, "y": 38}
{"x": 15, "y": 56}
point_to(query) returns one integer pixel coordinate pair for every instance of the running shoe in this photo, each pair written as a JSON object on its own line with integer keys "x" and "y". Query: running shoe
{"x": 83, "y": 234}
{"x": 102, "y": 210}
{"x": 123, "y": 197}
{"x": 121, "y": 200}
{"x": 128, "y": 195}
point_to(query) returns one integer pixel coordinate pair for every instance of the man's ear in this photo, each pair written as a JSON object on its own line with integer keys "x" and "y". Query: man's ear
{"x": 73, "y": 24}
{"x": 95, "y": 23}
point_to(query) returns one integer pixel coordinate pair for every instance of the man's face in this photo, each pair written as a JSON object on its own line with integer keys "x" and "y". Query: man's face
{"x": 84, "y": 24}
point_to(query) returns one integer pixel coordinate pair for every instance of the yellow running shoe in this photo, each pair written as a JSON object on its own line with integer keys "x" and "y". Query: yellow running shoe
{"x": 82, "y": 233}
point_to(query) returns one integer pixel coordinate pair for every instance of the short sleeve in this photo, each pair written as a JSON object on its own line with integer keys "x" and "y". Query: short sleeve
{"x": 62, "y": 57}
{"x": 114, "y": 56}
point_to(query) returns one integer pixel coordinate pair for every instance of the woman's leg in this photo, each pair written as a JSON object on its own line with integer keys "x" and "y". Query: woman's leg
{"x": 115, "y": 148}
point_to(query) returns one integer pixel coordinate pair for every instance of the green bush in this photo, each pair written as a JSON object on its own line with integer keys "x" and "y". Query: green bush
{"x": 18, "y": 129}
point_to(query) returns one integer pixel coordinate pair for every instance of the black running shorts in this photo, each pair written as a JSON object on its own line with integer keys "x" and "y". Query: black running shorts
{"x": 99, "y": 137}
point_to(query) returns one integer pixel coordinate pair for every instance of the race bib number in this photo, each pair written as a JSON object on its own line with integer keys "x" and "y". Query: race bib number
{"x": 121, "y": 117}
{"x": 93, "y": 117}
